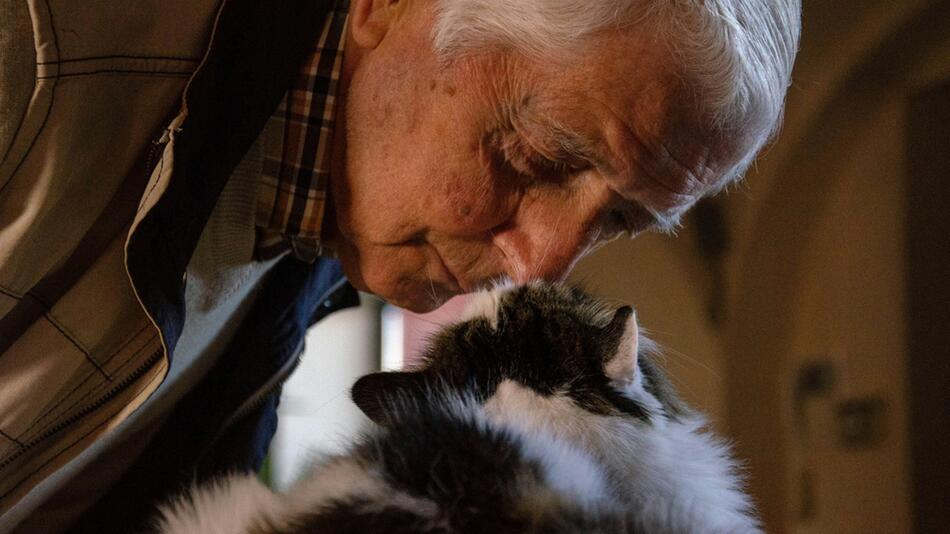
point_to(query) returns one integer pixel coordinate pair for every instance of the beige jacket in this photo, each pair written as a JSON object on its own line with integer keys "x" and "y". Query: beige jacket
{"x": 102, "y": 202}
{"x": 102, "y": 86}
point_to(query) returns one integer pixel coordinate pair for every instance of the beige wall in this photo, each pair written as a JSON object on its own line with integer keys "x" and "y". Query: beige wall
{"x": 849, "y": 311}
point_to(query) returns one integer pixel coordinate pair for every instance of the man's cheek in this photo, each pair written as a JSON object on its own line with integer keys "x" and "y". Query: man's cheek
{"x": 349, "y": 259}
{"x": 387, "y": 270}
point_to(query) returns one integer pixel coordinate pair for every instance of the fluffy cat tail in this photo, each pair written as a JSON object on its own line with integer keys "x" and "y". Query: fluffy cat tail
{"x": 236, "y": 503}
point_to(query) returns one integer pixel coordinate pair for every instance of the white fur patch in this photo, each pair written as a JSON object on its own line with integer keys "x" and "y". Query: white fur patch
{"x": 567, "y": 468}
{"x": 228, "y": 505}
{"x": 671, "y": 473}
{"x": 485, "y": 304}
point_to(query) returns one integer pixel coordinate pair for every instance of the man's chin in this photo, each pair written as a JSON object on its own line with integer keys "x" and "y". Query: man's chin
{"x": 423, "y": 305}
{"x": 417, "y": 299}
{"x": 398, "y": 289}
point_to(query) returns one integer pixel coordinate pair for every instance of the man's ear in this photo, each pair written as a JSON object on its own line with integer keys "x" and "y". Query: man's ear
{"x": 371, "y": 20}
{"x": 379, "y": 394}
{"x": 620, "y": 366}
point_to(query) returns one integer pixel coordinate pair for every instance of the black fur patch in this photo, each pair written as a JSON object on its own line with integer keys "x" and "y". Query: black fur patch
{"x": 549, "y": 338}
{"x": 476, "y": 478}
{"x": 471, "y": 474}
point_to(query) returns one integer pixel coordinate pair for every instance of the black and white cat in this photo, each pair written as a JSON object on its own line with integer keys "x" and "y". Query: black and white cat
{"x": 542, "y": 412}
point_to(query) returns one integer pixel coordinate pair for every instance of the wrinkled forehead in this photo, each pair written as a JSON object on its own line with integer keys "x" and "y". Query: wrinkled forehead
{"x": 638, "y": 118}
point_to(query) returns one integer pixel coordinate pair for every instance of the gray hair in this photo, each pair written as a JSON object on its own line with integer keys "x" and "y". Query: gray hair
{"x": 738, "y": 53}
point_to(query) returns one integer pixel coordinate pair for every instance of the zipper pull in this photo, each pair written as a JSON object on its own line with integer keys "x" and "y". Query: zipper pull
{"x": 157, "y": 145}
{"x": 166, "y": 136}
{"x": 164, "y": 139}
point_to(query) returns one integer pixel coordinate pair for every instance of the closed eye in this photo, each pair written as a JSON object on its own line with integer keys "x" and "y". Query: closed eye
{"x": 537, "y": 161}
{"x": 537, "y": 166}
{"x": 556, "y": 168}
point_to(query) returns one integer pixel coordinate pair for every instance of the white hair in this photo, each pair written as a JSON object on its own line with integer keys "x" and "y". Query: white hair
{"x": 737, "y": 54}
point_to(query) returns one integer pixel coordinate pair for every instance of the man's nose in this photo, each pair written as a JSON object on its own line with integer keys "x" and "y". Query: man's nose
{"x": 545, "y": 253}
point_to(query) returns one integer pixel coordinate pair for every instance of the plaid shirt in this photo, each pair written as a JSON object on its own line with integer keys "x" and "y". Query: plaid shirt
{"x": 294, "y": 179}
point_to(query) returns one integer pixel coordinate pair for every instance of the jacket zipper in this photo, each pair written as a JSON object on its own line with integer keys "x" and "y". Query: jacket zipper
{"x": 88, "y": 409}
{"x": 153, "y": 359}
{"x": 156, "y": 145}
{"x": 262, "y": 393}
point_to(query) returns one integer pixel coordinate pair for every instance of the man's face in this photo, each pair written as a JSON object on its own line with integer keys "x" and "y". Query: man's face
{"x": 498, "y": 165}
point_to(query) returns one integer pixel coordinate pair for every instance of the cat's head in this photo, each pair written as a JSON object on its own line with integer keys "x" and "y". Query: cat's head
{"x": 539, "y": 341}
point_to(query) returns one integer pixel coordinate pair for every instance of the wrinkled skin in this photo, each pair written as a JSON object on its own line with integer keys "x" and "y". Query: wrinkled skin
{"x": 449, "y": 175}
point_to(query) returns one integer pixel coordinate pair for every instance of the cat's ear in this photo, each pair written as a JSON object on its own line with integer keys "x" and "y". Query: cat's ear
{"x": 378, "y": 395}
{"x": 620, "y": 365}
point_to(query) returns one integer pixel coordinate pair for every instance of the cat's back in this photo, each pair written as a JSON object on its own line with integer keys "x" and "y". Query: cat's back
{"x": 441, "y": 468}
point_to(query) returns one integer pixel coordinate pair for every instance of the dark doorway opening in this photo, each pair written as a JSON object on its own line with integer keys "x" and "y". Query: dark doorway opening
{"x": 928, "y": 304}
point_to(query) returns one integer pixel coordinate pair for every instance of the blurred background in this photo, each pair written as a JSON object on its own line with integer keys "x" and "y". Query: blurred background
{"x": 807, "y": 311}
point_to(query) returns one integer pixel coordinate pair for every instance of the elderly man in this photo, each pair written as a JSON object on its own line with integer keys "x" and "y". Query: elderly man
{"x": 177, "y": 178}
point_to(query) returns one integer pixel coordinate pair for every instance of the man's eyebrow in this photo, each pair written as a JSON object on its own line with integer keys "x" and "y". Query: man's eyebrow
{"x": 574, "y": 144}
{"x": 566, "y": 141}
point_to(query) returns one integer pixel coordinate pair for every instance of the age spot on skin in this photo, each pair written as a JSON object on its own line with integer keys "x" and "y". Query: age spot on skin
{"x": 449, "y": 90}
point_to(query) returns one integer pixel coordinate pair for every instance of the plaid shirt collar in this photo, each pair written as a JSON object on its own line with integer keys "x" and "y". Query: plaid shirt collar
{"x": 294, "y": 179}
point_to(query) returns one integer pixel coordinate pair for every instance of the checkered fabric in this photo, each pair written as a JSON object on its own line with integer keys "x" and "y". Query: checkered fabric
{"x": 294, "y": 180}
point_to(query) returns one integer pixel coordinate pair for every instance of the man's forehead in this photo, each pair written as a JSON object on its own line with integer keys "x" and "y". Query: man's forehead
{"x": 622, "y": 107}
{"x": 642, "y": 139}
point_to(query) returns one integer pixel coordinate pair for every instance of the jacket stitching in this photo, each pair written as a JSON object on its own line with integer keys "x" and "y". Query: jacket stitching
{"x": 127, "y": 342}
{"x": 39, "y": 431}
{"x": 77, "y": 402}
{"x": 117, "y": 56}
{"x": 67, "y": 447}
{"x": 152, "y": 73}
{"x": 11, "y": 438}
{"x": 19, "y": 125}
{"x": 85, "y": 380}
{"x": 10, "y": 293}
{"x": 52, "y": 98}
{"x": 68, "y": 335}
{"x": 16, "y": 131}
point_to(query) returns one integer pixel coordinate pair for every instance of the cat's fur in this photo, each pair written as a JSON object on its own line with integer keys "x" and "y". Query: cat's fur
{"x": 542, "y": 412}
